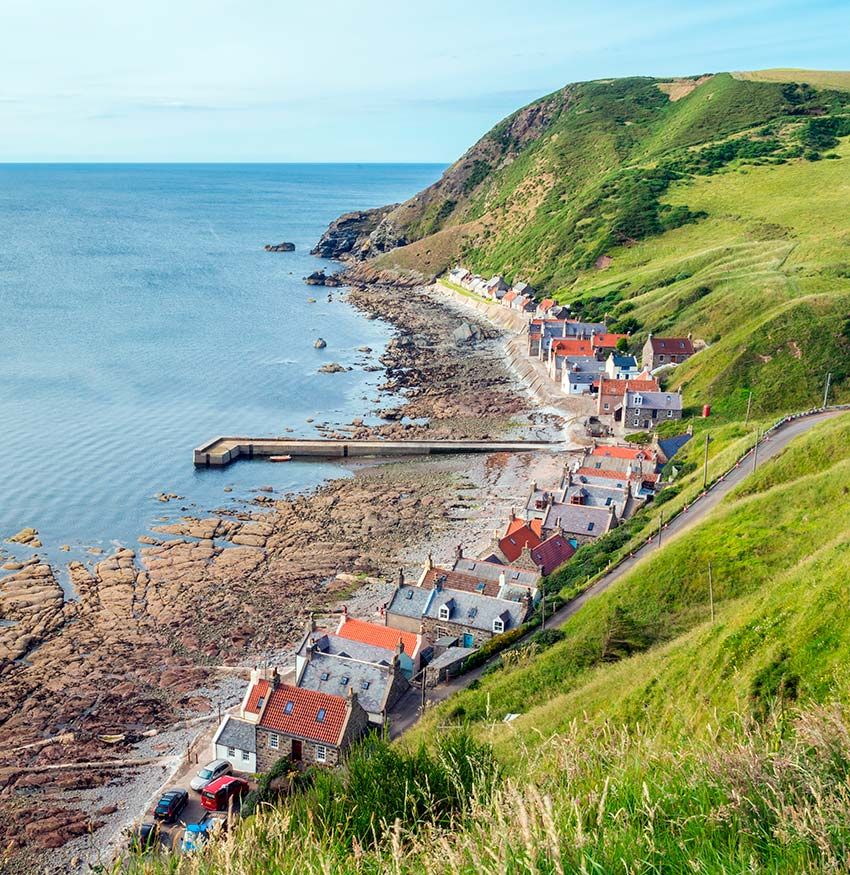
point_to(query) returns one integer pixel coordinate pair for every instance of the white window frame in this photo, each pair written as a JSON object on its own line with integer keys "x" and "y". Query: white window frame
{"x": 231, "y": 752}
{"x": 244, "y": 754}
{"x": 321, "y": 753}
{"x": 498, "y": 626}
{"x": 274, "y": 740}
{"x": 444, "y": 612}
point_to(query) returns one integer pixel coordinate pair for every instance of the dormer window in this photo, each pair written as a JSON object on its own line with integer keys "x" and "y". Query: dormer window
{"x": 444, "y": 612}
{"x": 498, "y": 626}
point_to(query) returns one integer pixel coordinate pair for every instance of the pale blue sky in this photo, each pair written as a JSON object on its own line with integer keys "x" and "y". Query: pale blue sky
{"x": 339, "y": 80}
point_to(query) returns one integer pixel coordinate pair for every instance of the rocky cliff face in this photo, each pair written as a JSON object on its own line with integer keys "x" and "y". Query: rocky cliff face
{"x": 359, "y": 235}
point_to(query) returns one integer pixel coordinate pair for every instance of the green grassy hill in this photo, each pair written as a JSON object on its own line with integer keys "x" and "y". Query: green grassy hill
{"x": 713, "y": 205}
{"x": 650, "y": 738}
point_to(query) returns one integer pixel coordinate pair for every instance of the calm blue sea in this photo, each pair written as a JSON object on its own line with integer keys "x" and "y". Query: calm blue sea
{"x": 140, "y": 316}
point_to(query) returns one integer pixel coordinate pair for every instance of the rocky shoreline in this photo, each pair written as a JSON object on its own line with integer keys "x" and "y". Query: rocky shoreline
{"x": 155, "y": 633}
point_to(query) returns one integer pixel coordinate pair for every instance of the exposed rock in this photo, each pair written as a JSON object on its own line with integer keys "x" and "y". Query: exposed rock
{"x": 279, "y": 247}
{"x": 357, "y": 235}
{"x": 333, "y": 368}
{"x": 317, "y": 278}
{"x": 465, "y": 333}
{"x": 28, "y": 537}
{"x": 320, "y": 343}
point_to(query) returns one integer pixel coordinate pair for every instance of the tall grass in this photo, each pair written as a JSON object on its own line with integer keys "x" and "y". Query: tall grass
{"x": 753, "y": 797}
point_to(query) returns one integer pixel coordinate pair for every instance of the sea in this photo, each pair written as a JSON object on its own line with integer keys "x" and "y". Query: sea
{"x": 140, "y": 317}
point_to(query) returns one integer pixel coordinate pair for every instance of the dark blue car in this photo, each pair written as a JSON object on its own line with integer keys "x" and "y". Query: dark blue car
{"x": 170, "y": 805}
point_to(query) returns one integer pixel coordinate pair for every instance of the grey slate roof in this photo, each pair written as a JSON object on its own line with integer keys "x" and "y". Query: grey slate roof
{"x": 475, "y": 611}
{"x": 409, "y": 601}
{"x": 238, "y": 734}
{"x": 671, "y": 446}
{"x": 654, "y": 400}
{"x": 598, "y": 496}
{"x": 449, "y": 656}
{"x": 625, "y": 361}
{"x": 335, "y": 645}
{"x": 335, "y": 674}
{"x": 576, "y": 519}
{"x": 491, "y": 571}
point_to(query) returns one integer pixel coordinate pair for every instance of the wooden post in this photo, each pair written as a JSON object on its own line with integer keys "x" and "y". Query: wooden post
{"x": 705, "y": 464}
{"x": 756, "y": 451}
{"x": 710, "y": 592}
{"x": 660, "y": 526}
{"x": 749, "y": 404}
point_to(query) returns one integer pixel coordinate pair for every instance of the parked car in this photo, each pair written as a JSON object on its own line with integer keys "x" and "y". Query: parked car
{"x": 209, "y": 773}
{"x": 170, "y": 805}
{"x": 223, "y": 793}
{"x": 144, "y": 837}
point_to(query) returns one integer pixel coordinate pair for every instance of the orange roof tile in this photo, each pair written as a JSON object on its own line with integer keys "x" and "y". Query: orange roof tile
{"x": 571, "y": 346}
{"x": 619, "y": 452}
{"x": 377, "y": 635}
{"x": 520, "y": 534}
{"x": 547, "y": 304}
{"x": 293, "y": 711}
{"x": 619, "y": 387}
{"x": 600, "y": 472}
{"x": 260, "y": 691}
{"x": 552, "y": 553}
{"x": 508, "y": 297}
{"x": 607, "y": 339}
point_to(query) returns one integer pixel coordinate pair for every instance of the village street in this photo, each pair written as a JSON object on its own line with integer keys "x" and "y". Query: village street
{"x": 408, "y": 709}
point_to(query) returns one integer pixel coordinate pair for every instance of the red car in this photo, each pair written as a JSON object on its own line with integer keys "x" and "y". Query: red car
{"x": 218, "y": 795}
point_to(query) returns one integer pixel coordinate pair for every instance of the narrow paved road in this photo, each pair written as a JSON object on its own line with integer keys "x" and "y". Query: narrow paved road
{"x": 406, "y": 712}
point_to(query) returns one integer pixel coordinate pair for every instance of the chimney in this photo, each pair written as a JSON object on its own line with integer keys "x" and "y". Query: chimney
{"x": 534, "y": 486}
{"x": 430, "y": 563}
{"x": 275, "y": 679}
{"x": 350, "y": 693}
{"x": 459, "y": 551}
{"x": 399, "y": 647}
{"x": 401, "y": 577}
{"x": 513, "y": 514}
{"x": 311, "y": 623}
{"x": 690, "y": 336}
{"x": 438, "y": 583}
{"x": 502, "y": 579}
{"x": 345, "y": 610}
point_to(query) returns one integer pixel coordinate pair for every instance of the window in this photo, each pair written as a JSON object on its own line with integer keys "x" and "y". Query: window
{"x": 498, "y": 626}
{"x": 598, "y": 465}
{"x": 590, "y": 527}
{"x": 320, "y": 715}
{"x": 409, "y": 594}
{"x": 608, "y": 501}
{"x": 364, "y": 685}
{"x": 344, "y": 680}
{"x": 669, "y": 414}
{"x": 287, "y": 708}
{"x": 231, "y": 751}
{"x": 325, "y": 675}
{"x": 260, "y": 703}
{"x": 605, "y": 405}
{"x": 321, "y": 753}
{"x": 444, "y": 612}
{"x": 244, "y": 754}
{"x": 274, "y": 741}
{"x": 637, "y": 423}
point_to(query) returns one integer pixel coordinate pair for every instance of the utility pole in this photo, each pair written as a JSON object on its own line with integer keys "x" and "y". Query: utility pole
{"x": 705, "y": 464}
{"x": 756, "y": 450}
{"x": 710, "y": 592}
{"x": 660, "y": 526}
{"x": 826, "y": 390}
{"x": 749, "y": 405}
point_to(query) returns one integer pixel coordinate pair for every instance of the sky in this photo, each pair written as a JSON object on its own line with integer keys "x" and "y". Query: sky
{"x": 339, "y": 80}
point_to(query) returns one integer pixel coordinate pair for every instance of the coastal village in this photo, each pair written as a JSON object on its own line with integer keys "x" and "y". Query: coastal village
{"x": 352, "y": 675}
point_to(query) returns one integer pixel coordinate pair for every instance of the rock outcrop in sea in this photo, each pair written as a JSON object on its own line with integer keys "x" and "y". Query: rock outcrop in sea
{"x": 279, "y": 247}
{"x": 359, "y": 235}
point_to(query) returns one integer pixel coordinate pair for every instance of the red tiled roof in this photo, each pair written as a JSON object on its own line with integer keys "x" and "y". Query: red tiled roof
{"x": 571, "y": 346}
{"x": 619, "y": 387}
{"x": 600, "y": 472}
{"x": 508, "y": 297}
{"x": 377, "y": 636}
{"x": 260, "y": 691}
{"x": 301, "y": 720}
{"x": 672, "y": 345}
{"x": 461, "y": 581}
{"x": 547, "y": 304}
{"x": 520, "y": 535}
{"x": 618, "y": 452}
{"x": 552, "y": 553}
{"x": 606, "y": 340}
